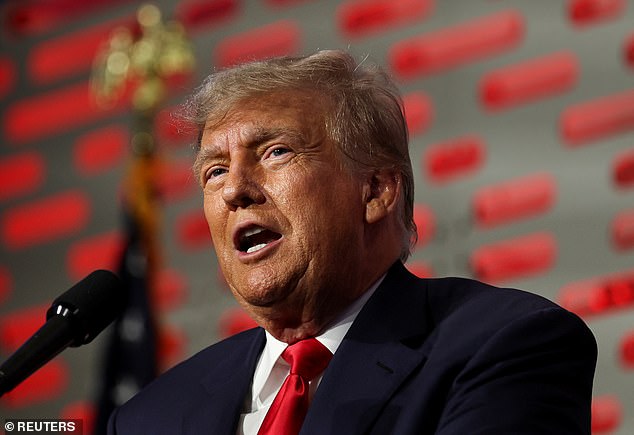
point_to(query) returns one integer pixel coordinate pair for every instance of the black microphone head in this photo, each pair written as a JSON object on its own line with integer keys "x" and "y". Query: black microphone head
{"x": 91, "y": 305}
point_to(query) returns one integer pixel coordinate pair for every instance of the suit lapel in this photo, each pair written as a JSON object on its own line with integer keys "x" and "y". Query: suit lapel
{"x": 383, "y": 346}
{"x": 226, "y": 389}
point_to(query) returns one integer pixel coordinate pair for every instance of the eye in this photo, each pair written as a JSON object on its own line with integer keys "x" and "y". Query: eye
{"x": 277, "y": 151}
{"x": 214, "y": 172}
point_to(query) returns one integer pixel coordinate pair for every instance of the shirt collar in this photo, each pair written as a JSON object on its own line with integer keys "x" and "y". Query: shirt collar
{"x": 333, "y": 335}
{"x": 331, "y": 338}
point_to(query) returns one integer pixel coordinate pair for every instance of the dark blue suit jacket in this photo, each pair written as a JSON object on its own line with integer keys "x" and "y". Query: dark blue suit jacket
{"x": 447, "y": 356}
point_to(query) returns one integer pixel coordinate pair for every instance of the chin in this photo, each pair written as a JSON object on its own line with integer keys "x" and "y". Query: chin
{"x": 260, "y": 296}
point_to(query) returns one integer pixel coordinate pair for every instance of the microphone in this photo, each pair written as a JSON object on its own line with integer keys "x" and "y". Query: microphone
{"x": 75, "y": 318}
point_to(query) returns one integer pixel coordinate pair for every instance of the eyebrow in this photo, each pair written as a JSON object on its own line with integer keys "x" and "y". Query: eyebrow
{"x": 203, "y": 155}
{"x": 259, "y": 136}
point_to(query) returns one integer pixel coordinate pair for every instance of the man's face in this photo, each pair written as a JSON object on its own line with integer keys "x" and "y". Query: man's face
{"x": 286, "y": 217}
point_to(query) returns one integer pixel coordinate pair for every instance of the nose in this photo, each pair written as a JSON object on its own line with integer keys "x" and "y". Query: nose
{"x": 241, "y": 188}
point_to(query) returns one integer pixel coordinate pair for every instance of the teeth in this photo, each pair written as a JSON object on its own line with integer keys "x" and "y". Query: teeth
{"x": 252, "y": 232}
{"x": 256, "y": 248}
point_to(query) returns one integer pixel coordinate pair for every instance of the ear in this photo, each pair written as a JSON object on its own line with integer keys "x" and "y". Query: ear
{"x": 382, "y": 192}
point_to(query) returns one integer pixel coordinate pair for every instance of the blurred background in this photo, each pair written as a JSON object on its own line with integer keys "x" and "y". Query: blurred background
{"x": 521, "y": 117}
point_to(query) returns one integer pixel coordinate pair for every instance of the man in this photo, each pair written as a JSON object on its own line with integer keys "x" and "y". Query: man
{"x": 308, "y": 192}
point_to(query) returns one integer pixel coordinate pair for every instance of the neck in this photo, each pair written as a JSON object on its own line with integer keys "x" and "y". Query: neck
{"x": 292, "y": 320}
{"x": 293, "y": 328}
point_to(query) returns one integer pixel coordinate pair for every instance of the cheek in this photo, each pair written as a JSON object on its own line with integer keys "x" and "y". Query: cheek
{"x": 215, "y": 220}
{"x": 329, "y": 217}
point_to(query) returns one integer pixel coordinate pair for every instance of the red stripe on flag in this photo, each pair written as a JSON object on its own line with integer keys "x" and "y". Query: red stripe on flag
{"x": 606, "y": 414}
{"x": 100, "y": 150}
{"x": 52, "y": 112}
{"x": 21, "y": 174}
{"x": 16, "y": 327}
{"x": 101, "y": 251}
{"x": 70, "y": 54}
{"x": 446, "y": 161}
{"x": 622, "y": 229}
{"x": 514, "y": 258}
{"x": 46, "y": 219}
{"x": 529, "y": 80}
{"x": 590, "y": 11}
{"x": 419, "y": 112}
{"x": 360, "y": 17}
{"x": 7, "y": 76}
{"x": 623, "y": 169}
{"x": 46, "y": 384}
{"x": 199, "y": 14}
{"x": 598, "y": 118}
{"x": 277, "y": 39}
{"x": 512, "y": 200}
{"x": 457, "y": 45}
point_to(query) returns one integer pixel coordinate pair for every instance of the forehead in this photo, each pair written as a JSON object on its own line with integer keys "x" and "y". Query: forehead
{"x": 302, "y": 111}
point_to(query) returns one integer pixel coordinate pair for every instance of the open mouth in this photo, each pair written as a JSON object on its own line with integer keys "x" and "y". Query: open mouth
{"x": 253, "y": 239}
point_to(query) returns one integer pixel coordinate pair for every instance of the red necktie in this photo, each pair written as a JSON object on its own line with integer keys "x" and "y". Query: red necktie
{"x": 308, "y": 358}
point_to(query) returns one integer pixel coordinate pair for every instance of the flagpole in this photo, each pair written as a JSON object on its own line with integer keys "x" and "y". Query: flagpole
{"x": 136, "y": 65}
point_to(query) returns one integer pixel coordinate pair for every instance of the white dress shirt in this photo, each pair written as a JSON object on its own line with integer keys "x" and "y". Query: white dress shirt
{"x": 271, "y": 369}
